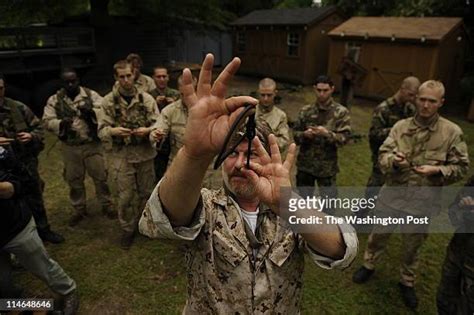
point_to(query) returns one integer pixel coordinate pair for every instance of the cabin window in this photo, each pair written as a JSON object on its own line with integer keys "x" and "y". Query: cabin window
{"x": 241, "y": 41}
{"x": 293, "y": 42}
{"x": 353, "y": 51}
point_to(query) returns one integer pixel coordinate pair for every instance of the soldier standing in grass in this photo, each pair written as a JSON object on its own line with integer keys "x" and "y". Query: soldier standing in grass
{"x": 422, "y": 151}
{"x": 386, "y": 114}
{"x": 321, "y": 128}
{"x": 71, "y": 115}
{"x": 272, "y": 115}
{"x": 125, "y": 122}
{"x": 21, "y": 130}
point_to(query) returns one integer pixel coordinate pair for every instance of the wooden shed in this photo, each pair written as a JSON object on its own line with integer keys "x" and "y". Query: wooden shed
{"x": 287, "y": 44}
{"x": 391, "y": 48}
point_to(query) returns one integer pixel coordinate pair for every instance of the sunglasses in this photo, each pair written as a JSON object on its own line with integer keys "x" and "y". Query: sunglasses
{"x": 247, "y": 118}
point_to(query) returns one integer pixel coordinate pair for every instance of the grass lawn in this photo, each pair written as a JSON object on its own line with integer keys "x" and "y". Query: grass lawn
{"x": 150, "y": 277}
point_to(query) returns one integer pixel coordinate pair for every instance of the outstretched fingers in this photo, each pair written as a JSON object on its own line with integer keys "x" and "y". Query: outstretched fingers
{"x": 219, "y": 88}
{"x": 205, "y": 77}
{"x": 187, "y": 87}
{"x": 290, "y": 157}
{"x": 260, "y": 150}
{"x": 274, "y": 149}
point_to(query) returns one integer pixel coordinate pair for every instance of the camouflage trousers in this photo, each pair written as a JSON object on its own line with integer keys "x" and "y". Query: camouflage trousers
{"x": 78, "y": 160}
{"x": 456, "y": 289}
{"x": 375, "y": 182}
{"x": 132, "y": 181}
{"x": 327, "y": 186}
{"x": 413, "y": 236}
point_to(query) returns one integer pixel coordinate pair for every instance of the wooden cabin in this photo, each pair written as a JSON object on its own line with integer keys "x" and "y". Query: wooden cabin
{"x": 392, "y": 48}
{"x": 286, "y": 44}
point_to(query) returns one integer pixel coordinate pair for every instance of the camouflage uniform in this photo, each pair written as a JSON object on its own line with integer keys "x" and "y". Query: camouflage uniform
{"x": 441, "y": 144}
{"x": 162, "y": 156}
{"x": 172, "y": 122}
{"x": 145, "y": 83}
{"x": 317, "y": 159}
{"x": 456, "y": 289}
{"x": 130, "y": 158}
{"x": 385, "y": 115}
{"x": 16, "y": 117}
{"x": 230, "y": 269}
{"x": 278, "y": 122}
{"x": 168, "y": 92}
{"x": 81, "y": 149}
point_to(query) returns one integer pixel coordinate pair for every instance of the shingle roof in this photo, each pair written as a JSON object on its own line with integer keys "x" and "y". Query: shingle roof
{"x": 299, "y": 16}
{"x": 433, "y": 28}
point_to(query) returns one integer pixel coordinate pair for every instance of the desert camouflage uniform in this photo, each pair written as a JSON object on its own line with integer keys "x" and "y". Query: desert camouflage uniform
{"x": 16, "y": 117}
{"x": 278, "y": 122}
{"x": 145, "y": 83}
{"x": 440, "y": 143}
{"x": 131, "y": 158}
{"x": 172, "y": 122}
{"x": 230, "y": 269}
{"x": 81, "y": 149}
{"x": 317, "y": 159}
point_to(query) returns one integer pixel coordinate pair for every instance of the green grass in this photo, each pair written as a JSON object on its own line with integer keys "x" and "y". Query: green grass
{"x": 150, "y": 278}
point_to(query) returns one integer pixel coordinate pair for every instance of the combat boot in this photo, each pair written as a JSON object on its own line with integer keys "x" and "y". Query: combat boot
{"x": 50, "y": 236}
{"x": 126, "y": 240}
{"x": 78, "y": 216}
{"x": 75, "y": 219}
{"x": 408, "y": 296}
{"x": 362, "y": 275}
{"x": 71, "y": 303}
{"x": 108, "y": 211}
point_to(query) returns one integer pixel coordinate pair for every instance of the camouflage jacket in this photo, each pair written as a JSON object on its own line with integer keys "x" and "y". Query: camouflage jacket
{"x": 56, "y": 110}
{"x": 278, "y": 122}
{"x": 16, "y": 117}
{"x": 223, "y": 275}
{"x": 319, "y": 156}
{"x": 145, "y": 83}
{"x": 168, "y": 92}
{"x": 385, "y": 115}
{"x": 172, "y": 122}
{"x": 441, "y": 144}
{"x": 115, "y": 112}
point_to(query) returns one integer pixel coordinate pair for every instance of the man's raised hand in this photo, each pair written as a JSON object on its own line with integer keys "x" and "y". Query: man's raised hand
{"x": 210, "y": 113}
{"x": 271, "y": 174}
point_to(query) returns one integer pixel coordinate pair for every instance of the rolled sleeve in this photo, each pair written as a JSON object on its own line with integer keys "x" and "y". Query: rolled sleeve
{"x": 352, "y": 243}
{"x": 50, "y": 120}
{"x": 154, "y": 223}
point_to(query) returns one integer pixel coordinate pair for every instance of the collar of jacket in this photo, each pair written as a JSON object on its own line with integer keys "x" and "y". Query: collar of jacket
{"x": 264, "y": 109}
{"x": 432, "y": 124}
{"x": 326, "y": 105}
